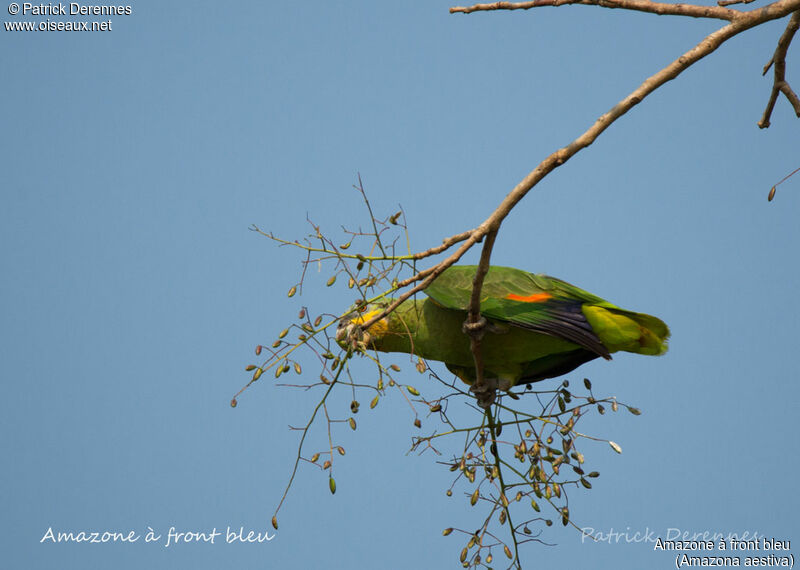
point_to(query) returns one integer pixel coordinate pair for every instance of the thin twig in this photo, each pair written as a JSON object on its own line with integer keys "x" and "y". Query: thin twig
{"x": 732, "y": 2}
{"x": 780, "y": 85}
{"x": 496, "y": 452}
{"x": 659, "y": 8}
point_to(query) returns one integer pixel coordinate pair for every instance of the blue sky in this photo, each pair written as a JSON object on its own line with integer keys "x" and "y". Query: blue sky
{"x": 135, "y": 160}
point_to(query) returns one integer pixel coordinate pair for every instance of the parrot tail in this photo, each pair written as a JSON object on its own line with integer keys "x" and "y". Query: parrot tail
{"x": 625, "y": 330}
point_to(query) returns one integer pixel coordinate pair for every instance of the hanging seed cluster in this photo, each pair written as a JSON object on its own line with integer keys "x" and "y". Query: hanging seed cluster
{"x": 371, "y": 276}
{"x": 523, "y": 478}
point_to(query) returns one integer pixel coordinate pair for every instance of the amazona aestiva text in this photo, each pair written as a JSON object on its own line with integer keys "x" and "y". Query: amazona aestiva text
{"x": 538, "y": 327}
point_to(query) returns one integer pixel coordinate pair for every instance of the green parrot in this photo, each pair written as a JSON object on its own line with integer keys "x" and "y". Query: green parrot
{"x": 537, "y": 327}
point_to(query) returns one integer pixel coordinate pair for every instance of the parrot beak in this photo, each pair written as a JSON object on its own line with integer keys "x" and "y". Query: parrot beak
{"x": 349, "y": 333}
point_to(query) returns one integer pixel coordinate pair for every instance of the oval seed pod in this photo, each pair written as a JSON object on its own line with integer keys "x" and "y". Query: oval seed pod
{"x": 507, "y": 550}
{"x": 258, "y": 349}
{"x": 292, "y": 291}
{"x": 565, "y": 516}
{"x": 257, "y": 374}
{"x": 614, "y": 406}
{"x": 635, "y": 411}
{"x": 587, "y": 383}
{"x": 332, "y": 485}
{"x": 417, "y": 423}
{"x": 275, "y": 522}
{"x": 297, "y": 368}
{"x": 615, "y": 446}
{"x": 352, "y": 423}
{"x": 447, "y": 531}
{"x": 502, "y": 517}
{"x": 395, "y": 367}
{"x": 234, "y": 403}
{"x": 771, "y": 194}
{"x": 302, "y": 314}
{"x": 436, "y": 408}
{"x": 314, "y": 458}
{"x": 331, "y": 281}
{"x": 535, "y": 505}
{"x": 318, "y": 321}
{"x": 276, "y": 344}
{"x": 463, "y": 556}
{"x": 474, "y": 497}
{"x": 327, "y": 464}
{"x": 374, "y": 402}
{"x": 340, "y": 449}
{"x": 250, "y": 367}
{"x": 586, "y": 483}
{"x": 489, "y": 558}
{"x": 413, "y": 391}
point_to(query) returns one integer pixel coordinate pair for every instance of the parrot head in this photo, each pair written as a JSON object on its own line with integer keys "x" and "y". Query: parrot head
{"x": 350, "y": 332}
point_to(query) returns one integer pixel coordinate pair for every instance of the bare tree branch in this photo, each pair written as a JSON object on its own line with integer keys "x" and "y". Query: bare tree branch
{"x": 780, "y": 85}
{"x": 475, "y": 325}
{"x": 740, "y": 22}
{"x": 732, "y": 2}
{"x": 660, "y": 8}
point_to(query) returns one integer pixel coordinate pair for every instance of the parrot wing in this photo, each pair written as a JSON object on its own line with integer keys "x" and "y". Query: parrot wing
{"x": 535, "y": 302}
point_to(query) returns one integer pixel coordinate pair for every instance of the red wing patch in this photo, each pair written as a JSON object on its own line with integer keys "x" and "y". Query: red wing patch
{"x": 535, "y": 298}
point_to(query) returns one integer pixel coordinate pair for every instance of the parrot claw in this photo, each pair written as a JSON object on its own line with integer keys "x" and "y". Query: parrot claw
{"x": 486, "y": 392}
{"x": 475, "y": 329}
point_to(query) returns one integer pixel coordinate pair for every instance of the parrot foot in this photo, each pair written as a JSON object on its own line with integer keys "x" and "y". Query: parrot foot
{"x": 476, "y": 326}
{"x": 486, "y": 392}
{"x": 475, "y": 329}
